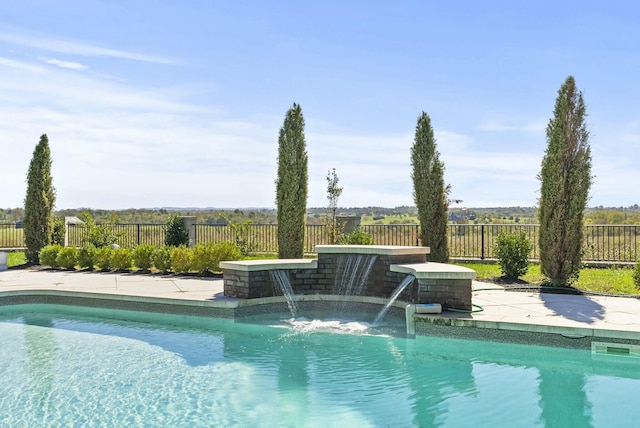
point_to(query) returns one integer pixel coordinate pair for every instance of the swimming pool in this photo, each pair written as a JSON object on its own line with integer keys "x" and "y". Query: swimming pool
{"x": 70, "y": 366}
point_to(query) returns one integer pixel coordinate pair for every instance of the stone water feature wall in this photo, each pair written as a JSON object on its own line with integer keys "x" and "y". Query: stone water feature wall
{"x": 435, "y": 282}
{"x": 381, "y": 281}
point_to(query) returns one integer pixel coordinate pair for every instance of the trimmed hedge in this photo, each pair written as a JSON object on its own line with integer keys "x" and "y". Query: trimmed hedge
{"x": 67, "y": 257}
{"x": 203, "y": 258}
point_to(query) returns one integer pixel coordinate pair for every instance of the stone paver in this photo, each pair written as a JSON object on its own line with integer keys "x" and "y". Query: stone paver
{"x": 558, "y": 309}
{"x": 531, "y": 310}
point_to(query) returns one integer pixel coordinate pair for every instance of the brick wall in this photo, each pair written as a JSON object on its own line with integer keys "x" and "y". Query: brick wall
{"x": 450, "y": 293}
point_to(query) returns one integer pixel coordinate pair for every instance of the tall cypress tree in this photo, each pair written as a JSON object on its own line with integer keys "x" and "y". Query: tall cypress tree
{"x": 291, "y": 185}
{"x": 565, "y": 179}
{"x": 429, "y": 191}
{"x": 39, "y": 202}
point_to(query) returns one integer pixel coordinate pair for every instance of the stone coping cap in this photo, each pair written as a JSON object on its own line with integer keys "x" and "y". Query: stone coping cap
{"x": 273, "y": 264}
{"x": 434, "y": 271}
{"x": 381, "y": 250}
{"x": 227, "y": 303}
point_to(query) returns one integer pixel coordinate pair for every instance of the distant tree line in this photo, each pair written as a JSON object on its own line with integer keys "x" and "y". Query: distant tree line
{"x": 497, "y": 215}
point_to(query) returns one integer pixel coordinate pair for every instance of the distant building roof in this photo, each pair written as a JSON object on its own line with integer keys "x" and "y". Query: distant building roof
{"x": 73, "y": 220}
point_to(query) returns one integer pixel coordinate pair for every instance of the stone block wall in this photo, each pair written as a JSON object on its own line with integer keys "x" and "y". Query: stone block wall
{"x": 450, "y": 293}
{"x": 381, "y": 282}
{"x": 303, "y": 281}
{"x": 236, "y": 284}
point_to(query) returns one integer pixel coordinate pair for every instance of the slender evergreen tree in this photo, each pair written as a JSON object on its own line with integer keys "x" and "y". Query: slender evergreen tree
{"x": 291, "y": 185}
{"x": 39, "y": 202}
{"x": 429, "y": 191}
{"x": 565, "y": 179}
{"x": 333, "y": 193}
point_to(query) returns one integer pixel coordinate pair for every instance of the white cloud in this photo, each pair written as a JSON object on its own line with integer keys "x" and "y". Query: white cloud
{"x": 118, "y": 146}
{"x": 20, "y": 65}
{"x": 53, "y": 43}
{"x": 64, "y": 64}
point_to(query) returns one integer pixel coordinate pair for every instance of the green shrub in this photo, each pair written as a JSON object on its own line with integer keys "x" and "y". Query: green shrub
{"x": 103, "y": 258}
{"x": 143, "y": 256}
{"x": 512, "y": 250}
{"x": 87, "y": 256}
{"x": 121, "y": 259}
{"x": 225, "y": 251}
{"x": 636, "y": 274}
{"x": 181, "y": 259}
{"x": 162, "y": 258}
{"x": 203, "y": 258}
{"x": 176, "y": 233}
{"x": 49, "y": 254}
{"x": 207, "y": 257}
{"x": 67, "y": 257}
{"x": 357, "y": 237}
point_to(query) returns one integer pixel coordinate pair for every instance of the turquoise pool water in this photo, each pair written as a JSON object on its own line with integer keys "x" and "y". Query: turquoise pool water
{"x": 64, "y": 367}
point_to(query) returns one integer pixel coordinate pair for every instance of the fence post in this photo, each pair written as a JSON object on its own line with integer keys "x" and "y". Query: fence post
{"x": 190, "y": 224}
{"x": 138, "y": 232}
{"x": 66, "y": 232}
{"x": 482, "y": 242}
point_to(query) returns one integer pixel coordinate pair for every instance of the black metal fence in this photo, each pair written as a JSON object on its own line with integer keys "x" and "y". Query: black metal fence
{"x": 606, "y": 243}
{"x": 11, "y": 235}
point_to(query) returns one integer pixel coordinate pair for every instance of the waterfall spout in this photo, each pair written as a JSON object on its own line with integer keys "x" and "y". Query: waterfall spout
{"x": 352, "y": 272}
{"x": 281, "y": 279}
{"x": 404, "y": 284}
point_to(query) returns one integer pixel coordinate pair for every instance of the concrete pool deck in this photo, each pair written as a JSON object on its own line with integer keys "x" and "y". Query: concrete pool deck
{"x": 529, "y": 311}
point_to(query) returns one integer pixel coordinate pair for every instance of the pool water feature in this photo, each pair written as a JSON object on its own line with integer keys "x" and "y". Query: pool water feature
{"x": 396, "y": 293}
{"x": 352, "y": 272}
{"x": 72, "y": 366}
{"x": 282, "y": 281}
{"x": 355, "y": 270}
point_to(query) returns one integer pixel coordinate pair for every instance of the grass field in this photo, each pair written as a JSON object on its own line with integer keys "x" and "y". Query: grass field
{"x": 598, "y": 280}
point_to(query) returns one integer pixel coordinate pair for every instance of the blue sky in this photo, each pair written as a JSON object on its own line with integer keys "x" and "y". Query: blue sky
{"x": 165, "y": 103}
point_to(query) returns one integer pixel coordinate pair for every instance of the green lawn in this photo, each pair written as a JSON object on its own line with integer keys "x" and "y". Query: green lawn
{"x": 600, "y": 280}
{"x": 16, "y": 258}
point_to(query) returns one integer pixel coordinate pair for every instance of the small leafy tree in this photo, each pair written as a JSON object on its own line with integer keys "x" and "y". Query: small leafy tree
{"x": 565, "y": 179}
{"x": 357, "y": 237}
{"x": 176, "y": 232}
{"x": 512, "y": 250}
{"x": 39, "y": 201}
{"x": 291, "y": 185}
{"x": 57, "y": 233}
{"x": 636, "y": 274}
{"x": 429, "y": 191}
{"x": 98, "y": 235}
{"x": 241, "y": 232}
{"x": 333, "y": 193}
